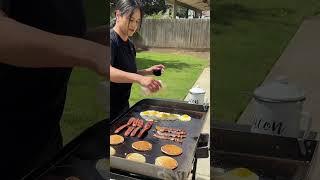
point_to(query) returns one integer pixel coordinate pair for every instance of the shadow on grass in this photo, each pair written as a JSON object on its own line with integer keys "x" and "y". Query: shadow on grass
{"x": 227, "y": 14}
{"x": 317, "y": 13}
{"x": 145, "y": 63}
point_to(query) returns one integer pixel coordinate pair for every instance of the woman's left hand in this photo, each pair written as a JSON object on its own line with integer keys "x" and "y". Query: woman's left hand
{"x": 155, "y": 67}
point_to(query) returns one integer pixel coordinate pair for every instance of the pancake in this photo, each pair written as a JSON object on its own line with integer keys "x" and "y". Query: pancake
{"x": 116, "y": 139}
{"x": 112, "y": 151}
{"x": 136, "y": 157}
{"x": 171, "y": 149}
{"x": 166, "y": 162}
{"x": 142, "y": 146}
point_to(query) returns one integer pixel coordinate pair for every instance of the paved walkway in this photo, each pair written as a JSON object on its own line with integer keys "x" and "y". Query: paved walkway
{"x": 203, "y": 167}
{"x": 300, "y": 62}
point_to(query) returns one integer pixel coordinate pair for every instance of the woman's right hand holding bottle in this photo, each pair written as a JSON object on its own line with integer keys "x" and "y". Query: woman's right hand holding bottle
{"x": 150, "y": 84}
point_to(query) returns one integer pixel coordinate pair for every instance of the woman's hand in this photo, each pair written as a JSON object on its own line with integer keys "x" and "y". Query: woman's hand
{"x": 149, "y": 71}
{"x": 150, "y": 83}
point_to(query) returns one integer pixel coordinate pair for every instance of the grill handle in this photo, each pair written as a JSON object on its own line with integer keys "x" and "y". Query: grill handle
{"x": 202, "y": 150}
{"x": 203, "y": 140}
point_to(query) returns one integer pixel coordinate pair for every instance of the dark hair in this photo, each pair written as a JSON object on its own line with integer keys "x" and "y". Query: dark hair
{"x": 128, "y": 6}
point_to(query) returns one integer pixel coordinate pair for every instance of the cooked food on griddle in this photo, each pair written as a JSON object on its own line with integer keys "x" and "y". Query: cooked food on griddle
{"x": 146, "y": 128}
{"x": 166, "y": 162}
{"x": 133, "y": 125}
{"x": 129, "y": 123}
{"x": 116, "y": 139}
{"x": 240, "y": 174}
{"x": 185, "y": 117}
{"x": 139, "y": 125}
{"x": 171, "y": 130}
{"x": 163, "y": 116}
{"x": 142, "y": 146}
{"x": 171, "y": 149}
{"x": 149, "y": 114}
{"x": 112, "y": 151}
{"x": 168, "y": 138}
{"x": 129, "y": 130}
{"x": 174, "y": 116}
{"x": 136, "y": 157}
{"x": 136, "y": 124}
{"x": 172, "y": 134}
{"x": 158, "y": 115}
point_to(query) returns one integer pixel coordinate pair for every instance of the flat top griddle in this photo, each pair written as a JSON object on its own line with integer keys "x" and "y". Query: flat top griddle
{"x": 270, "y": 157}
{"x": 78, "y": 158}
{"x": 193, "y": 129}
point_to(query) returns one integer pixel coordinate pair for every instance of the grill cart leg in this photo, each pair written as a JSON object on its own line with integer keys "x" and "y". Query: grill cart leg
{"x": 194, "y": 171}
{"x": 202, "y": 151}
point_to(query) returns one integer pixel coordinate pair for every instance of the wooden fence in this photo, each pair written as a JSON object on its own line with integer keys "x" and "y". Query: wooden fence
{"x": 175, "y": 33}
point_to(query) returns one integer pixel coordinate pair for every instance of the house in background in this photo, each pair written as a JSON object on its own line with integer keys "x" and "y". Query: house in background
{"x": 195, "y": 8}
{"x": 205, "y": 15}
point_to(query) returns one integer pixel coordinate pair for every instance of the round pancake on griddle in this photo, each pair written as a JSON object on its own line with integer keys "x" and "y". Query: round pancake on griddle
{"x": 112, "y": 151}
{"x": 116, "y": 139}
{"x": 171, "y": 149}
{"x": 136, "y": 157}
{"x": 142, "y": 146}
{"x": 166, "y": 162}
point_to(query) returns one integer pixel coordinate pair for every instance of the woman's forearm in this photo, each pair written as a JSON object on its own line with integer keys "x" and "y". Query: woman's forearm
{"x": 119, "y": 76}
{"x": 98, "y": 34}
{"x": 143, "y": 72}
{"x": 25, "y": 46}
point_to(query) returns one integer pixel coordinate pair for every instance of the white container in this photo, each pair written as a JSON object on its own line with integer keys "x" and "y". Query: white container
{"x": 196, "y": 96}
{"x": 278, "y": 110}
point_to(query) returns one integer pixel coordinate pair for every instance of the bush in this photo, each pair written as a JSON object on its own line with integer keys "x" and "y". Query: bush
{"x": 159, "y": 15}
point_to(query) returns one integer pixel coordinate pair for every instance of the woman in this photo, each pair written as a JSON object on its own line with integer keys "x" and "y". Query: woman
{"x": 123, "y": 69}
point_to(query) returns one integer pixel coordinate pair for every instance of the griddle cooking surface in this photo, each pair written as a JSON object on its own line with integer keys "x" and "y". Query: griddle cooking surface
{"x": 193, "y": 129}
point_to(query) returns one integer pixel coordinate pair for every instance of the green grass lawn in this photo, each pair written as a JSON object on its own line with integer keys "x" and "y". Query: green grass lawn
{"x": 81, "y": 109}
{"x": 181, "y": 73}
{"x": 247, "y": 39}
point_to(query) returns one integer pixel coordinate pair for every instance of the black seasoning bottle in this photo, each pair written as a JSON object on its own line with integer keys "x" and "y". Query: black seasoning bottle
{"x": 157, "y": 72}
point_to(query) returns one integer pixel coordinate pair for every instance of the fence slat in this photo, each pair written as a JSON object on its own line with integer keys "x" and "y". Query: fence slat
{"x": 176, "y": 33}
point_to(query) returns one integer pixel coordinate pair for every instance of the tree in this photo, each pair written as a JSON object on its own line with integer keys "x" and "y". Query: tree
{"x": 182, "y": 12}
{"x": 151, "y": 7}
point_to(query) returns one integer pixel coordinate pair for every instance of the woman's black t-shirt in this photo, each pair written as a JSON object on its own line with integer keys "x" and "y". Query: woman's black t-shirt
{"x": 123, "y": 57}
